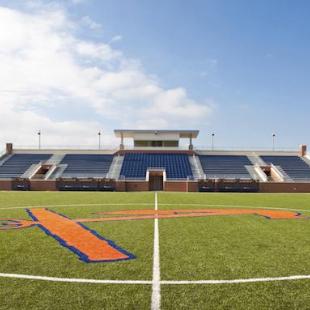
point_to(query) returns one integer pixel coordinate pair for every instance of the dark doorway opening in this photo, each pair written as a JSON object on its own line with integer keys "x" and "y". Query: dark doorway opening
{"x": 156, "y": 181}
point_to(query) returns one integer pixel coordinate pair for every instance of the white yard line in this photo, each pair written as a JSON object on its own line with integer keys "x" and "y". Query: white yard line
{"x": 250, "y": 280}
{"x": 71, "y": 280}
{"x": 147, "y": 282}
{"x": 149, "y": 204}
{"x": 156, "y": 264}
{"x": 228, "y": 206}
{"x": 80, "y": 205}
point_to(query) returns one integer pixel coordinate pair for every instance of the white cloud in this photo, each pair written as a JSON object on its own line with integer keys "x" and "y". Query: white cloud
{"x": 47, "y": 70}
{"x": 101, "y": 52}
{"x": 116, "y": 38}
{"x": 87, "y": 21}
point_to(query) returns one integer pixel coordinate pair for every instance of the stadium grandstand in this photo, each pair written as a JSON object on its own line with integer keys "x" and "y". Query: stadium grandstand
{"x": 155, "y": 162}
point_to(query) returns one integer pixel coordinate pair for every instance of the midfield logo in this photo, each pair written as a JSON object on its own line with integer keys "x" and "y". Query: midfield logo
{"x": 92, "y": 248}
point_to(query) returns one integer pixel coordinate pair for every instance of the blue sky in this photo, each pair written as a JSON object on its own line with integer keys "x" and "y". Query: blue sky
{"x": 236, "y": 68}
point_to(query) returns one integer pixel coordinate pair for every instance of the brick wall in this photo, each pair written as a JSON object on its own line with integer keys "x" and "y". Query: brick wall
{"x": 5, "y": 185}
{"x": 142, "y": 186}
{"x": 39, "y": 185}
{"x": 173, "y": 186}
{"x": 120, "y": 186}
{"x": 193, "y": 186}
{"x": 277, "y": 187}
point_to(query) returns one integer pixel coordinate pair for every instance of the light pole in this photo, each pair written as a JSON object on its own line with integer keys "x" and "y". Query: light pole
{"x": 39, "y": 139}
{"x": 273, "y": 141}
{"x": 99, "y": 140}
{"x": 212, "y": 141}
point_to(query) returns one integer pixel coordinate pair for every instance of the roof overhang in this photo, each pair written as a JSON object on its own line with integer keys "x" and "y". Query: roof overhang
{"x": 131, "y": 133}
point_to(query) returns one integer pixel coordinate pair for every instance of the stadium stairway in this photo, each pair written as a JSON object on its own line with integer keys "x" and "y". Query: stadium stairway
{"x": 283, "y": 175}
{"x": 57, "y": 172}
{"x": 256, "y": 160}
{"x": 4, "y": 158}
{"x": 257, "y": 171}
{"x": 31, "y": 171}
{"x": 252, "y": 172}
{"x": 261, "y": 175}
{"x": 55, "y": 159}
{"x": 115, "y": 168}
{"x": 306, "y": 159}
{"x": 197, "y": 170}
{"x": 293, "y": 167}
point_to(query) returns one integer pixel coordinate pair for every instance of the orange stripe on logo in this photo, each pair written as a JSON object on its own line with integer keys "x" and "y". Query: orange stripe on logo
{"x": 87, "y": 244}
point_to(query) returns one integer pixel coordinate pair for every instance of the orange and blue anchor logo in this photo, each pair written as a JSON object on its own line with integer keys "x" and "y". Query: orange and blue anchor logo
{"x": 92, "y": 247}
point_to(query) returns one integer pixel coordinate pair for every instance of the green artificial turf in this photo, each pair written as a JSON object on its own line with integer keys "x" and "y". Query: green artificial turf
{"x": 261, "y": 296}
{"x": 24, "y": 295}
{"x": 206, "y": 248}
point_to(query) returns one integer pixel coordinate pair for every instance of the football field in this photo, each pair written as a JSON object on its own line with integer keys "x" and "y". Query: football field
{"x": 74, "y": 250}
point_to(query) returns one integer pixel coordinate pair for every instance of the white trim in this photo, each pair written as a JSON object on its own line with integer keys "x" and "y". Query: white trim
{"x": 156, "y": 264}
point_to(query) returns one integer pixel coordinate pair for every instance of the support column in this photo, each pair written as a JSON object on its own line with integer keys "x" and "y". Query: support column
{"x": 191, "y": 142}
{"x": 122, "y": 142}
{"x": 9, "y": 148}
{"x": 303, "y": 150}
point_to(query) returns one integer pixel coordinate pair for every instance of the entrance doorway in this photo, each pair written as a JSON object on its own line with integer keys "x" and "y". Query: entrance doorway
{"x": 156, "y": 178}
{"x": 156, "y": 182}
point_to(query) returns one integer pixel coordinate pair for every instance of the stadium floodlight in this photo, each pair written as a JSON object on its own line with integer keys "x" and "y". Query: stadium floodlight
{"x": 212, "y": 141}
{"x": 39, "y": 139}
{"x": 273, "y": 141}
{"x": 99, "y": 139}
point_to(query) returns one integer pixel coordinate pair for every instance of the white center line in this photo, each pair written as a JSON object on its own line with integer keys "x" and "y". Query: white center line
{"x": 156, "y": 264}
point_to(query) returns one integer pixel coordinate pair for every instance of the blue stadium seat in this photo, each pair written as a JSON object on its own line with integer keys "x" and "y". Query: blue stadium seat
{"x": 135, "y": 165}
{"x": 225, "y": 166}
{"x": 18, "y": 164}
{"x": 293, "y": 166}
{"x": 86, "y": 165}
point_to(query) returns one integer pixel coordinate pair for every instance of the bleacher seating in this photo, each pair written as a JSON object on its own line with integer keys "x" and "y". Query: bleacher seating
{"x": 135, "y": 165}
{"x": 293, "y": 166}
{"x": 18, "y": 164}
{"x": 86, "y": 165}
{"x": 225, "y": 166}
